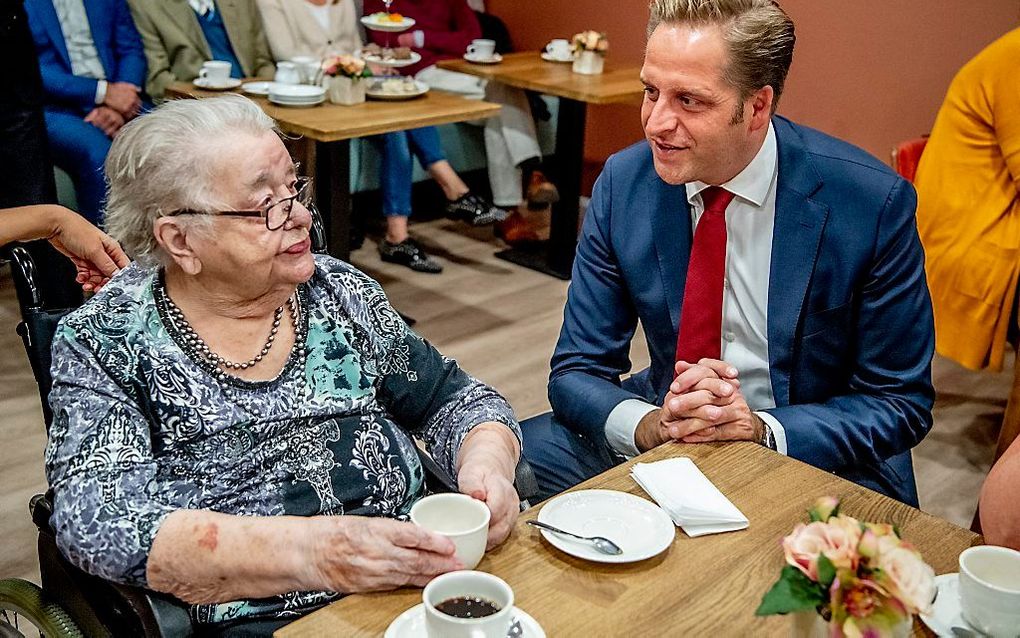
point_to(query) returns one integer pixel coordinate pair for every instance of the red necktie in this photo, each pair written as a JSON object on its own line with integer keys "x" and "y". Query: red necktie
{"x": 700, "y": 333}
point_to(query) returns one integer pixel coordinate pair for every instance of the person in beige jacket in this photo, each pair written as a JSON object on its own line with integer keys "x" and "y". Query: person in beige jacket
{"x": 180, "y": 35}
{"x": 318, "y": 29}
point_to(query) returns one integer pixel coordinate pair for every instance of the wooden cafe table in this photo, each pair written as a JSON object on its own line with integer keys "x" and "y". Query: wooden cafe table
{"x": 527, "y": 70}
{"x": 332, "y": 126}
{"x": 709, "y": 585}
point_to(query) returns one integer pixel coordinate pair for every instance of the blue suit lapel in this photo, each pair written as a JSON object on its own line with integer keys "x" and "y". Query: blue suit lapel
{"x": 52, "y": 25}
{"x": 796, "y": 239}
{"x": 102, "y": 37}
{"x": 671, "y": 225}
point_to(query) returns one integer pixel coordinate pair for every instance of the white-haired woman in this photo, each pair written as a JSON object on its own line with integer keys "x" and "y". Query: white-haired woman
{"x": 233, "y": 416}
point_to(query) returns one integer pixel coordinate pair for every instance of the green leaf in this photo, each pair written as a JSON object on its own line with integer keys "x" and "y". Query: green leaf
{"x": 792, "y": 592}
{"x": 826, "y": 571}
{"x": 814, "y": 517}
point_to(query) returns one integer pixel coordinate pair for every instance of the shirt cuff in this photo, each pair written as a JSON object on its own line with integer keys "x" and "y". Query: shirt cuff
{"x": 100, "y": 91}
{"x": 419, "y": 39}
{"x": 622, "y": 423}
{"x": 777, "y": 430}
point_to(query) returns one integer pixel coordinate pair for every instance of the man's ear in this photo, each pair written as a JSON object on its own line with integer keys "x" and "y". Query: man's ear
{"x": 174, "y": 240}
{"x": 761, "y": 107}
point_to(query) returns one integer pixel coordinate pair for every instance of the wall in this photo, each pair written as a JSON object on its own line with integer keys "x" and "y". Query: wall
{"x": 872, "y": 72}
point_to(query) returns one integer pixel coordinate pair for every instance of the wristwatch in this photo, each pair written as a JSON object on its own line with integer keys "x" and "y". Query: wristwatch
{"x": 768, "y": 439}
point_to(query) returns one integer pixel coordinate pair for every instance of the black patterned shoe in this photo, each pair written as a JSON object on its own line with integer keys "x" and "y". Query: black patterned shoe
{"x": 474, "y": 210}
{"x": 409, "y": 253}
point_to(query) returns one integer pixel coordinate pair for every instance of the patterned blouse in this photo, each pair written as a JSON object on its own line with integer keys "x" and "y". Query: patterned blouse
{"x": 142, "y": 429}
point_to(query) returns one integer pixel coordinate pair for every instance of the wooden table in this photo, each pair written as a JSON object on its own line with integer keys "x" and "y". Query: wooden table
{"x": 697, "y": 587}
{"x": 332, "y": 126}
{"x": 618, "y": 83}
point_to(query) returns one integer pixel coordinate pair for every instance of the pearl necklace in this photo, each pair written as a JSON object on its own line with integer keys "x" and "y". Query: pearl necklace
{"x": 200, "y": 347}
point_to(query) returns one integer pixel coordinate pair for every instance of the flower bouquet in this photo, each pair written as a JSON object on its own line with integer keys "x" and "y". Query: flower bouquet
{"x": 342, "y": 75}
{"x": 588, "y": 48}
{"x": 844, "y": 578}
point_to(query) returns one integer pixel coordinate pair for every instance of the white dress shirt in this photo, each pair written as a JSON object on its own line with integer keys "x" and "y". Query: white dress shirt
{"x": 750, "y": 220}
{"x": 81, "y": 48}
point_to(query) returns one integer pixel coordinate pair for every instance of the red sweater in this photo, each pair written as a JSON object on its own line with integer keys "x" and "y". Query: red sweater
{"x": 449, "y": 27}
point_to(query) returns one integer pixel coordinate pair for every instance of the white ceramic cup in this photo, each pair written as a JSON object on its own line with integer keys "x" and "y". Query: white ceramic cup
{"x": 307, "y": 66}
{"x": 215, "y": 71}
{"x": 990, "y": 590}
{"x": 559, "y": 49}
{"x": 460, "y": 518}
{"x": 482, "y": 49}
{"x": 468, "y": 584}
{"x": 287, "y": 73}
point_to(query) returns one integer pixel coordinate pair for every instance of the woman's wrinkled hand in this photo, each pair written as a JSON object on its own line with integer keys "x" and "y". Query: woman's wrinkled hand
{"x": 363, "y": 554}
{"x": 488, "y": 483}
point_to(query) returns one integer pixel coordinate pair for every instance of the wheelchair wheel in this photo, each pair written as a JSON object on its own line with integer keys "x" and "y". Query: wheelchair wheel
{"x": 23, "y": 603}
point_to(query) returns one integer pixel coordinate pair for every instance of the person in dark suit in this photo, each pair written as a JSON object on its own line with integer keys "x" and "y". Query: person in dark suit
{"x": 776, "y": 272}
{"x": 93, "y": 68}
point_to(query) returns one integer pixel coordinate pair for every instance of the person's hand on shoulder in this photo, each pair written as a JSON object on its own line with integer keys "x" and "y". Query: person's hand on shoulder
{"x": 96, "y": 255}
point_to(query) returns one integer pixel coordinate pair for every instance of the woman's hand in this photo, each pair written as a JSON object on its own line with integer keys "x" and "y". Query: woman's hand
{"x": 376, "y": 554}
{"x": 487, "y": 462}
{"x": 96, "y": 255}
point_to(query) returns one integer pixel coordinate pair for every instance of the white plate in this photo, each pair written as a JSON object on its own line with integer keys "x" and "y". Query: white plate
{"x": 495, "y": 59}
{"x": 258, "y": 88}
{"x": 548, "y": 57}
{"x": 420, "y": 89}
{"x": 639, "y": 527}
{"x": 411, "y": 624}
{"x": 296, "y": 92}
{"x": 204, "y": 83}
{"x": 394, "y": 27}
{"x": 318, "y": 100}
{"x": 375, "y": 59}
{"x": 945, "y": 613}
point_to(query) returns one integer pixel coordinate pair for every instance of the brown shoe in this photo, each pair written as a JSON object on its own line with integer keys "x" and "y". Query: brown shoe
{"x": 515, "y": 230}
{"x": 541, "y": 191}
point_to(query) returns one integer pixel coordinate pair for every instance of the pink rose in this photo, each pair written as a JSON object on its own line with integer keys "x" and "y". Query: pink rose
{"x": 837, "y": 540}
{"x": 824, "y": 507}
{"x": 844, "y": 534}
{"x": 905, "y": 575}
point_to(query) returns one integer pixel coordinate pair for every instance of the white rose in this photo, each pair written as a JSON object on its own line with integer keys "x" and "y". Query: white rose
{"x": 905, "y": 575}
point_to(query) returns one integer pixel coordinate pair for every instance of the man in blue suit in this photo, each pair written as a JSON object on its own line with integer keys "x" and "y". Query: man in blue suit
{"x": 93, "y": 68}
{"x": 776, "y": 272}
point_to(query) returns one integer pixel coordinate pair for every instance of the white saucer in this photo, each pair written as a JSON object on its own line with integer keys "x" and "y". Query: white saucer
{"x": 258, "y": 88}
{"x": 639, "y": 527}
{"x": 411, "y": 624}
{"x": 495, "y": 59}
{"x": 375, "y": 93}
{"x": 945, "y": 613}
{"x": 204, "y": 83}
{"x": 548, "y": 57}
{"x": 375, "y": 59}
{"x": 371, "y": 23}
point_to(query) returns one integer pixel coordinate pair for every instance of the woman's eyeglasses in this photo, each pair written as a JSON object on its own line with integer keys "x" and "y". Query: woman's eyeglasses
{"x": 275, "y": 214}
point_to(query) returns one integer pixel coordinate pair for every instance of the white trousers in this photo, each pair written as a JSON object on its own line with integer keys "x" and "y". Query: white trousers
{"x": 510, "y": 138}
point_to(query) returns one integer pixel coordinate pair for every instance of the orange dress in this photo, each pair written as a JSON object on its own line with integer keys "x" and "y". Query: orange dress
{"x": 968, "y": 211}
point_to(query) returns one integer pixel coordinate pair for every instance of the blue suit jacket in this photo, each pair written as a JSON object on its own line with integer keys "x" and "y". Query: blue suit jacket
{"x": 117, "y": 42}
{"x": 850, "y": 328}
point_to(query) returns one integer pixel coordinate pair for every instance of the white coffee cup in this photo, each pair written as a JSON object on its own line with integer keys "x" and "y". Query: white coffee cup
{"x": 468, "y": 584}
{"x": 559, "y": 49}
{"x": 287, "y": 73}
{"x": 990, "y": 590}
{"x": 460, "y": 518}
{"x": 482, "y": 49}
{"x": 307, "y": 66}
{"x": 215, "y": 72}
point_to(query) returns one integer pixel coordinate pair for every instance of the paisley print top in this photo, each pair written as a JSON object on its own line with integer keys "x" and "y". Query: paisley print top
{"x": 141, "y": 429}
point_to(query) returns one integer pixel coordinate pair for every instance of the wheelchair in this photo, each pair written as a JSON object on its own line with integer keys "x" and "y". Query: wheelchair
{"x": 72, "y": 603}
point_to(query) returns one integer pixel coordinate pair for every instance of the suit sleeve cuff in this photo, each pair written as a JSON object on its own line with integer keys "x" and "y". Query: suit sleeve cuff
{"x": 100, "y": 91}
{"x": 778, "y": 431}
{"x": 622, "y": 423}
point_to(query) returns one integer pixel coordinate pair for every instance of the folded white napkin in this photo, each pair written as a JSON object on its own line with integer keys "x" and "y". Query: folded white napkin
{"x": 690, "y": 499}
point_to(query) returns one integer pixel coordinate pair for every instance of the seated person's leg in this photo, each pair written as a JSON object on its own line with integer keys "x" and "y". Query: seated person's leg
{"x": 395, "y": 182}
{"x": 560, "y": 458}
{"x": 461, "y": 203}
{"x": 80, "y": 149}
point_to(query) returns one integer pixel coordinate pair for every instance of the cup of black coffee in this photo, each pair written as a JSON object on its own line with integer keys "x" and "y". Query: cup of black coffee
{"x": 468, "y": 604}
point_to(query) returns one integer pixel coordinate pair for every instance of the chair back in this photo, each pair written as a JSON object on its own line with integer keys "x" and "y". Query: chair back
{"x": 907, "y": 155}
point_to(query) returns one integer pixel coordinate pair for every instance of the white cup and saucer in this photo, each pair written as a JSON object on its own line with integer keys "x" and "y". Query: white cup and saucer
{"x": 558, "y": 50}
{"x": 483, "y": 51}
{"x": 215, "y": 76}
{"x": 465, "y": 604}
{"x": 983, "y": 598}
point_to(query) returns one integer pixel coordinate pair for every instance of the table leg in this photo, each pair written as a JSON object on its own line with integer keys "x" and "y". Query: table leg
{"x": 333, "y": 195}
{"x": 556, "y": 257}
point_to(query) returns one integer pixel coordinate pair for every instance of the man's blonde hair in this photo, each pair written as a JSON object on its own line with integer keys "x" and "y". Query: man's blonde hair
{"x": 758, "y": 33}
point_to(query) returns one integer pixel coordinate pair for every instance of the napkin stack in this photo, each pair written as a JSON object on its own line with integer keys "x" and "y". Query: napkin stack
{"x": 690, "y": 499}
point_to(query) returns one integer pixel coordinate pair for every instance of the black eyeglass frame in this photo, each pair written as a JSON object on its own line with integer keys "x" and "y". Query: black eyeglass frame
{"x": 302, "y": 188}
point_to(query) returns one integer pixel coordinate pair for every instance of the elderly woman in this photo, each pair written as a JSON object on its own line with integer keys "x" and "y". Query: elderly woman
{"x": 233, "y": 415}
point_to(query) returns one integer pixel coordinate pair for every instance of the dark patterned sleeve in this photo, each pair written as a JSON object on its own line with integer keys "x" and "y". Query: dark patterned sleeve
{"x": 99, "y": 464}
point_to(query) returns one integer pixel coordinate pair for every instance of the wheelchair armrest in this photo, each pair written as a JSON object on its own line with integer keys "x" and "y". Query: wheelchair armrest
{"x": 159, "y": 614}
